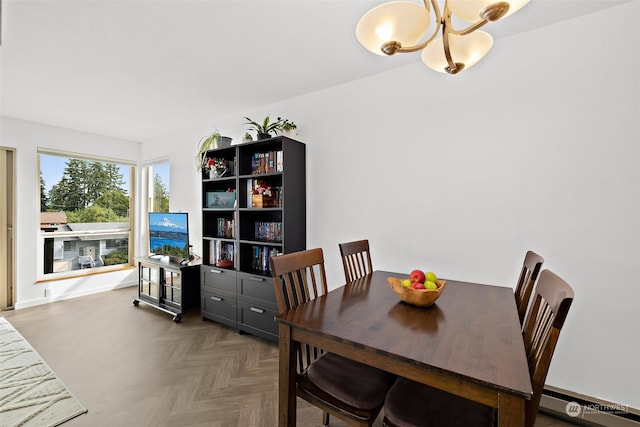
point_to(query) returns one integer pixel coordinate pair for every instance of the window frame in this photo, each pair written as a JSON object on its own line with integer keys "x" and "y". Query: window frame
{"x": 130, "y": 232}
{"x": 149, "y": 190}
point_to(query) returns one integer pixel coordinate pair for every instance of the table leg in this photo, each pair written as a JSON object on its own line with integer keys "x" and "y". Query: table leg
{"x": 287, "y": 380}
{"x": 510, "y": 410}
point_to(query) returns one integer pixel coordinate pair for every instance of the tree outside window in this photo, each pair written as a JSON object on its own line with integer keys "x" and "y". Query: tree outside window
{"x": 159, "y": 187}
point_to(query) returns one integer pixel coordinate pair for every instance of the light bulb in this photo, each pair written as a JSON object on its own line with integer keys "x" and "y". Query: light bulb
{"x": 400, "y": 21}
{"x": 466, "y": 50}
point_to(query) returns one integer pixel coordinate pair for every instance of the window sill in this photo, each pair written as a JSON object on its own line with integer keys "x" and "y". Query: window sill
{"x": 83, "y": 273}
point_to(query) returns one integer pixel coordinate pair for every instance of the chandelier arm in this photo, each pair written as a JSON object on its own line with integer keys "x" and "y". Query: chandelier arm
{"x": 470, "y": 29}
{"x": 446, "y": 30}
{"x": 438, "y": 20}
{"x": 426, "y": 5}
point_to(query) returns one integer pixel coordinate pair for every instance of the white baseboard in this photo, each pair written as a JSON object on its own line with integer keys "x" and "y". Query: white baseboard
{"x": 585, "y": 410}
{"x": 69, "y": 295}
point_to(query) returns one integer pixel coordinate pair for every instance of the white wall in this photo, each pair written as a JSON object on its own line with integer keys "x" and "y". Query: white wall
{"x": 26, "y": 137}
{"x": 534, "y": 148}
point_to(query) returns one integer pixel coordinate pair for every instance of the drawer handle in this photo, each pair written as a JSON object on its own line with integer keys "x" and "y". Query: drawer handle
{"x": 256, "y": 279}
{"x": 257, "y": 310}
{"x": 216, "y": 299}
{"x": 216, "y": 271}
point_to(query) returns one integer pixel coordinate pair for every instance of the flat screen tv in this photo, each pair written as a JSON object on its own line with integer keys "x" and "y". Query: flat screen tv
{"x": 169, "y": 234}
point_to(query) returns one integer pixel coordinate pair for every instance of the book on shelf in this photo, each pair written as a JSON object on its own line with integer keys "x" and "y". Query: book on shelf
{"x": 269, "y": 162}
{"x": 225, "y": 228}
{"x": 261, "y": 255}
{"x": 221, "y": 254}
{"x": 268, "y": 231}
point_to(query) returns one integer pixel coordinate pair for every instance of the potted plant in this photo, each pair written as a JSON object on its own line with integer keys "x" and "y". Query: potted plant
{"x": 209, "y": 142}
{"x": 288, "y": 127}
{"x": 264, "y": 129}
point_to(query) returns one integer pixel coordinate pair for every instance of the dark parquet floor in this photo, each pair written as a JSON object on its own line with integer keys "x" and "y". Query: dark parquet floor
{"x": 133, "y": 366}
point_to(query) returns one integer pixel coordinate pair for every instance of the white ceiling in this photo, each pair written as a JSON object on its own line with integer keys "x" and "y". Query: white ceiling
{"x": 138, "y": 69}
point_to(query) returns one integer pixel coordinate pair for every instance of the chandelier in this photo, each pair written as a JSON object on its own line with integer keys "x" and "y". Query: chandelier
{"x": 400, "y": 25}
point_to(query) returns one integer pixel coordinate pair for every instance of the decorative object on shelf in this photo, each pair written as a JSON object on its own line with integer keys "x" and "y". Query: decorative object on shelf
{"x": 247, "y": 137}
{"x": 213, "y": 171}
{"x": 263, "y": 196}
{"x": 210, "y": 142}
{"x": 400, "y": 25}
{"x": 263, "y": 130}
{"x": 288, "y": 128}
{"x": 262, "y": 201}
{"x": 219, "y": 167}
{"x": 221, "y": 199}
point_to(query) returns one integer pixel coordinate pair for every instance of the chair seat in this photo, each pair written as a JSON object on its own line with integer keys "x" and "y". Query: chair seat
{"x": 411, "y": 404}
{"x": 356, "y": 384}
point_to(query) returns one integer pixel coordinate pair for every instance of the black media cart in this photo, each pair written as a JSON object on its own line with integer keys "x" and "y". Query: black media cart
{"x": 167, "y": 285}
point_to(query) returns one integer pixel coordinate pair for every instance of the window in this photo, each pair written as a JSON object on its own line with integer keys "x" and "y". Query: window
{"x": 86, "y": 207}
{"x": 158, "y": 187}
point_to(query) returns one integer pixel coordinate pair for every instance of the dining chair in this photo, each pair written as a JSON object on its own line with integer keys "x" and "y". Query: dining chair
{"x": 351, "y": 391}
{"x": 528, "y": 275}
{"x": 356, "y": 259}
{"x": 409, "y": 403}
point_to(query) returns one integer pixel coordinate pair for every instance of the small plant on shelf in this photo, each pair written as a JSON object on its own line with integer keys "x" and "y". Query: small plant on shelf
{"x": 205, "y": 144}
{"x": 263, "y": 130}
{"x": 210, "y": 142}
{"x": 288, "y": 126}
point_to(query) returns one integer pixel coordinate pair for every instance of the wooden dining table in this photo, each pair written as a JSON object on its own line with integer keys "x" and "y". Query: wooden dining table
{"x": 468, "y": 343}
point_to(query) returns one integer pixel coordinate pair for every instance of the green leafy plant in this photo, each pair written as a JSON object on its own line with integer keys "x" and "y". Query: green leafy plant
{"x": 287, "y": 125}
{"x": 266, "y": 127}
{"x": 205, "y": 144}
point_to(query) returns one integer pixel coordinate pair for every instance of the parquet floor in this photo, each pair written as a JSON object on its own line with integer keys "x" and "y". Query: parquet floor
{"x": 133, "y": 366}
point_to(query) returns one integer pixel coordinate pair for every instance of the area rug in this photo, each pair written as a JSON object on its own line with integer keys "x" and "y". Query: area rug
{"x": 30, "y": 392}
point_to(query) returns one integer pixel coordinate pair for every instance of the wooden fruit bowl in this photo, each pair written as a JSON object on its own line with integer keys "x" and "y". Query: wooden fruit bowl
{"x": 419, "y": 297}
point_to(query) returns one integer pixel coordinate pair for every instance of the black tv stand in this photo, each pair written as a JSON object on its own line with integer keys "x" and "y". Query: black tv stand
{"x": 168, "y": 285}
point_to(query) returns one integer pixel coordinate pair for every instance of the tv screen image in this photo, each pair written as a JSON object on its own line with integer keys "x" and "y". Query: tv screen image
{"x": 169, "y": 234}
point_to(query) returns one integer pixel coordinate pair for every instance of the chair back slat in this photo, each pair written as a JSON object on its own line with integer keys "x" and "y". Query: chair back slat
{"x": 299, "y": 277}
{"x": 526, "y": 282}
{"x": 356, "y": 259}
{"x": 552, "y": 300}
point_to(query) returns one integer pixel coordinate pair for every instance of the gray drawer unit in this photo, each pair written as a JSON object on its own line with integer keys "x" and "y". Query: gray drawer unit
{"x": 256, "y": 287}
{"x": 241, "y": 300}
{"x": 257, "y": 305}
{"x": 219, "y": 306}
{"x": 218, "y": 278}
{"x": 257, "y": 320}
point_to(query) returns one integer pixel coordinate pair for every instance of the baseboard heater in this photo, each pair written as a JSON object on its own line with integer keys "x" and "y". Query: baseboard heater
{"x": 585, "y": 410}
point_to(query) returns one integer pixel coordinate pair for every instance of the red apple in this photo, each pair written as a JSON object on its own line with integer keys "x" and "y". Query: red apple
{"x": 417, "y": 276}
{"x": 417, "y": 285}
